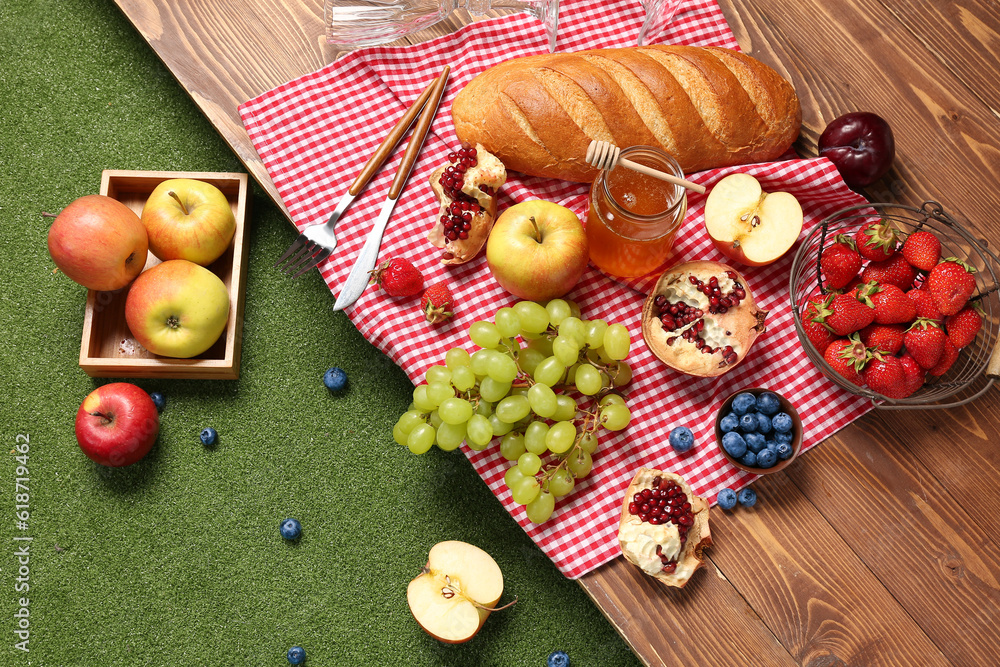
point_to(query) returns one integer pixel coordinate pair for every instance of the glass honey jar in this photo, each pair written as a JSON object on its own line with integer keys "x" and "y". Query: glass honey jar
{"x": 633, "y": 217}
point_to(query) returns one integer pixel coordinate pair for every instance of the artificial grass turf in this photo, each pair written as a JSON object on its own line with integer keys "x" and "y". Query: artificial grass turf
{"x": 178, "y": 560}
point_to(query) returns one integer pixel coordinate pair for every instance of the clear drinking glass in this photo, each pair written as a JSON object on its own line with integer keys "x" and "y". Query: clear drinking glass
{"x": 356, "y": 23}
{"x": 659, "y": 14}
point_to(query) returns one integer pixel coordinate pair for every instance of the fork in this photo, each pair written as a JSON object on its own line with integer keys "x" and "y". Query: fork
{"x": 318, "y": 241}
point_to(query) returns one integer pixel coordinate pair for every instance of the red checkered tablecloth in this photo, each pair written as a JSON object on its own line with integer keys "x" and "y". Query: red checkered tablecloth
{"x": 315, "y": 133}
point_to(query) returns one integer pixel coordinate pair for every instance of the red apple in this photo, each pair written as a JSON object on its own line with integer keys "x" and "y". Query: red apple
{"x": 177, "y": 309}
{"x": 749, "y": 225}
{"x": 537, "y": 250}
{"x": 188, "y": 219}
{"x": 860, "y": 145}
{"x": 117, "y": 424}
{"x": 456, "y": 591}
{"x": 98, "y": 242}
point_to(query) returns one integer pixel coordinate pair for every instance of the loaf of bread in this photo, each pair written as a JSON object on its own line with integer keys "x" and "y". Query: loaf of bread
{"x": 708, "y": 107}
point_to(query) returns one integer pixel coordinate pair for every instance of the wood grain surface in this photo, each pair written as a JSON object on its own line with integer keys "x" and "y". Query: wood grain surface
{"x": 879, "y": 547}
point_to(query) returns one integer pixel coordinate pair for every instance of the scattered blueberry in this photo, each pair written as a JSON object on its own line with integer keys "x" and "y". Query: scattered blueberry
{"x": 747, "y": 497}
{"x": 763, "y": 423}
{"x": 783, "y": 450}
{"x": 782, "y": 422}
{"x": 558, "y": 659}
{"x": 755, "y": 442}
{"x": 744, "y": 403}
{"x": 209, "y": 436}
{"x": 159, "y": 400}
{"x": 748, "y": 422}
{"x": 726, "y": 499}
{"x": 768, "y": 403}
{"x": 730, "y": 422}
{"x": 749, "y": 459}
{"x": 291, "y": 529}
{"x": 335, "y": 379}
{"x": 766, "y": 458}
{"x": 681, "y": 439}
{"x": 734, "y": 444}
{"x": 296, "y": 655}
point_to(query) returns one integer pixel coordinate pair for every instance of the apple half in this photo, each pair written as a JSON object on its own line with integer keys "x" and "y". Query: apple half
{"x": 456, "y": 591}
{"x": 749, "y": 225}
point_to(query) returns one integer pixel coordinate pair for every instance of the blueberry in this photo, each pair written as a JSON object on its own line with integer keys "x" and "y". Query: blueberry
{"x": 783, "y": 450}
{"x": 726, "y": 499}
{"x": 296, "y": 655}
{"x": 730, "y": 422}
{"x": 208, "y": 436}
{"x": 768, "y": 403}
{"x": 782, "y": 422}
{"x": 749, "y": 459}
{"x": 734, "y": 444}
{"x": 291, "y": 529}
{"x": 681, "y": 439}
{"x": 159, "y": 400}
{"x": 755, "y": 442}
{"x": 763, "y": 423}
{"x": 335, "y": 379}
{"x": 748, "y": 422}
{"x": 744, "y": 403}
{"x": 747, "y": 497}
{"x": 784, "y": 436}
{"x": 766, "y": 458}
{"x": 558, "y": 659}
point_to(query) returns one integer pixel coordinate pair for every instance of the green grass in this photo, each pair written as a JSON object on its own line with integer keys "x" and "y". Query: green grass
{"x": 177, "y": 560}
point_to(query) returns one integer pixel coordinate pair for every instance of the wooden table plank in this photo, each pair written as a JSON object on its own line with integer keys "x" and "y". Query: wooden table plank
{"x": 931, "y": 71}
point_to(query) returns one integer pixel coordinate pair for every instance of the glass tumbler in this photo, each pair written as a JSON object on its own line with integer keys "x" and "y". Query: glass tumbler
{"x": 659, "y": 15}
{"x": 356, "y": 23}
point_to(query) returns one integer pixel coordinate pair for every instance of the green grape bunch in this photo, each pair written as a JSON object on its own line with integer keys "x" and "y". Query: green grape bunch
{"x": 519, "y": 386}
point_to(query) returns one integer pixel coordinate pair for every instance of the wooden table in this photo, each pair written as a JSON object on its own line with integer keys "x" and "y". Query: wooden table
{"x": 881, "y": 545}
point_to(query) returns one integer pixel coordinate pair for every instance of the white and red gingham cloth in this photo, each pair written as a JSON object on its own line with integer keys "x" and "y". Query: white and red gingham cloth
{"x": 316, "y": 132}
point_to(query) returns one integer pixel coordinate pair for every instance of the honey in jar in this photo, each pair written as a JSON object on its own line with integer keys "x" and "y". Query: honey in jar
{"x": 633, "y": 217}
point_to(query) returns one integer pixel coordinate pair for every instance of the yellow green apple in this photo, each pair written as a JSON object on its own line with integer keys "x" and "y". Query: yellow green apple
{"x": 537, "y": 250}
{"x": 188, "y": 219}
{"x": 98, "y": 242}
{"x": 177, "y": 309}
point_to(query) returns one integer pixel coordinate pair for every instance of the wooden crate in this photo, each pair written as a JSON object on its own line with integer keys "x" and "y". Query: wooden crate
{"x": 109, "y": 349}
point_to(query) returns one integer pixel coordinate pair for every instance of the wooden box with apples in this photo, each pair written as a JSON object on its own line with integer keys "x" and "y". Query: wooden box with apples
{"x": 109, "y": 349}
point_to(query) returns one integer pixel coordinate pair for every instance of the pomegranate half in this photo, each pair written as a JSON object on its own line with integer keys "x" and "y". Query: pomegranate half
{"x": 701, "y": 318}
{"x": 664, "y": 527}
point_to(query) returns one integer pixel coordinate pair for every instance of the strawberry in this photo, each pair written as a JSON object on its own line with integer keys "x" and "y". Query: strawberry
{"x": 922, "y": 250}
{"x": 963, "y": 326}
{"x": 886, "y": 338}
{"x": 925, "y": 305}
{"x": 840, "y": 262}
{"x": 893, "y": 271}
{"x": 398, "y": 277}
{"x": 847, "y": 356}
{"x": 876, "y": 240}
{"x": 951, "y": 283}
{"x": 817, "y": 334}
{"x": 885, "y": 375}
{"x": 848, "y": 313}
{"x": 924, "y": 341}
{"x": 915, "y": 375}
{"x": 892, "y": 306}
{"x": 948, "y": 357}
{"x": 437, "y": 303}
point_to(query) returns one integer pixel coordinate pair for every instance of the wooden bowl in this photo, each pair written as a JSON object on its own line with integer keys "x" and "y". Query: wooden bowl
{"x": 786, "y": 406}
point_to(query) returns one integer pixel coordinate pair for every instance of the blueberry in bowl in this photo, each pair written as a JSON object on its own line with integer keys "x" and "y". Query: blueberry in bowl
{"x": 758, "y": 430}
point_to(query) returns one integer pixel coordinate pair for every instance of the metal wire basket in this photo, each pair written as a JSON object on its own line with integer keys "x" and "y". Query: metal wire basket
{"x": 978, "y": 366}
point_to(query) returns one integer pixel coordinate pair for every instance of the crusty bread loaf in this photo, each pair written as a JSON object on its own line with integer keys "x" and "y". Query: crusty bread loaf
{"x": 708, "y": 107}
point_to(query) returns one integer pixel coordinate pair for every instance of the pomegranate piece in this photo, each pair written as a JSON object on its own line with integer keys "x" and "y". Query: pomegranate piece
{"x": 701, "y": 318}
{"x": 466, "y": 186}
{"x": 664, "y": 527}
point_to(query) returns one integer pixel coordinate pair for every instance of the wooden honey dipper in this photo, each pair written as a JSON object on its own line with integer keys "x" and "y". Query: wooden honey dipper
{"x": 605, "y": 155}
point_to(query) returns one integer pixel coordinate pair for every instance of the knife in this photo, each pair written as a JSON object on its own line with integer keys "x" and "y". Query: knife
{"x": 358, "y": 278}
